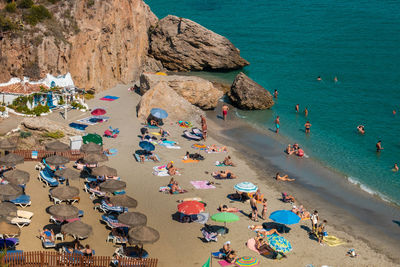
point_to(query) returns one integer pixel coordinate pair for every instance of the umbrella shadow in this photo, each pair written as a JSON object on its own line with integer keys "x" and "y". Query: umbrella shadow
{"x": 396, "y": 222}
{"x": 281, "y": 228}
{"x": 51, "y": 226}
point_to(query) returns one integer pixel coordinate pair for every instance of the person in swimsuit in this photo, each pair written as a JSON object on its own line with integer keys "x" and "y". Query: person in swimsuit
{"x": 283, "y": 178}
{"x": 225, "y": 109}
{"x": 296, "y": 108}
{"x": 300, "y": 152}
{"x": 379, "y": 146}
{"x": 228, "y": 162}
{"x": 335, "y": 79}
{"x": 264, "y": 210}
{"x": 258, "y": 196}
{"x": 395, "y": 168}
{"x": 289, "y": 149}
{"x": 224, "y": 174}
{"x": 277, "y": 124}
{"x": 204, "y": 127}
{"x": 361, "y": 129}
{"x": 276, "y": 93}
{"x": 307, "y": 126}
{"x": 394, "y": 112}
{"x": 260, "y": 229}
{"x": 321, "y": 230}
{"x": 319, "y": 78}
{"x": 254, "y": 209}
{"x": 306, "y": 112}
{"x": 314, "y": 221}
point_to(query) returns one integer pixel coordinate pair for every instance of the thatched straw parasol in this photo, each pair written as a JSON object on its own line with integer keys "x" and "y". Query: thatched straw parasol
{"x": 57, "y": 146}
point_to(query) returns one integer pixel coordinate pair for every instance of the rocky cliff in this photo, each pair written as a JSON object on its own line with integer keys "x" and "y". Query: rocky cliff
{"x": 100, "y": 42}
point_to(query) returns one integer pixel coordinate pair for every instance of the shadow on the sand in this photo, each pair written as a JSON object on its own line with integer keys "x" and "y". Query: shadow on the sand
{"x": 281, "y": 228}
{"x": 311, "y": 235}
{"x": 396, "y": 222}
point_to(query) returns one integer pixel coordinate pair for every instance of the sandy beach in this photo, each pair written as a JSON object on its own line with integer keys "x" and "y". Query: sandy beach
{"x": 180, "y": 244}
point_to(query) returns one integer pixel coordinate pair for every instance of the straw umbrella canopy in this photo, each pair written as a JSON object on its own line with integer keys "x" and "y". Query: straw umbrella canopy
{"x": 94, "y": 158}
{"x": 9, "y": 191}
{"x": 57, "y": 146}
{"x": 77, "y": 229}
{"x": 65, "y": 192}
{"x": 6, "y": 144}
{"x": 132, "y": 219}
{"x": 91, "y": 148}
{"x": 8, "y": 229}
{"x": 68, "y": 173}
{"x": 143, "y": 235}
{"x": 8, "y": 208}
{"x": 123, "y": 201}
{"x": 63, "y": 211}
{"x": 17, "y": 177}
{"x": 104, "y": 171}
{"x": 11, "y": 159}
{"x": 112, "y": 185}
{"x": 57, "y": 160}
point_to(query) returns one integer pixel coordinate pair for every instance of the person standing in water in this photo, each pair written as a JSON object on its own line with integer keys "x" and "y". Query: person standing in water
{"x": 394, "y": 112}
{"x": 395, "y": 168}
{"x": 379, "y": 146}
{"x": 277, "y": 124}
{"x": 306, "y": 112}
{"x": 319, "y": 78}
{"x": 276, "y": 93}
{"x": 307, "y": 126}
{"x": 297, "y": 108}
{"x": 335, "y": 79}
{"x": 225, "y": 109}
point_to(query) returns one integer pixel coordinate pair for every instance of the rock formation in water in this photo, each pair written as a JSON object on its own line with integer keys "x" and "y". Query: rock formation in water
{"x": 196, "y": 90}
{"x": 163, "y": 96}
{"x": 247, "y": 94}
{"x": 183, "y": 45}
{"x": 101, "y": 43}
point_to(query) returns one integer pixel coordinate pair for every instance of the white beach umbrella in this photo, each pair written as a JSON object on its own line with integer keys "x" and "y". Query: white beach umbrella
{"x": 246, "y": 187}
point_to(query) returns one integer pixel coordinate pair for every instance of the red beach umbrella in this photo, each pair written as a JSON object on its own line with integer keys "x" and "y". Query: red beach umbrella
{"x": 190, "y": 207}
{"x": 98, "y": 112}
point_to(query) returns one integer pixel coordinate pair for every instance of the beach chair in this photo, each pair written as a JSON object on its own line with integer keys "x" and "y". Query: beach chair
{"x": 47, "y": 243}
{"x": 209, "y": 236}
{"x": 104, "y": 207}
{"x": 16, "y": 257}
{"x": 23, "y": 201}
{"x": 47, "y": 178}
{"x": 93, "y": 192}
{"x": 20, "y": 222}
{"x": 24, "y": 214}
{"x": 39, "y": 166}
{"x": 112, "y": 221}
{"x": 9, "y": 243}
{"x": 119, "y": 239}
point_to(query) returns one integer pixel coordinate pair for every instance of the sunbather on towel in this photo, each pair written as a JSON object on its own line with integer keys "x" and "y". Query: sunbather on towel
{"x": 283, "y": 178}
{"x": 260, "y": 228}
{"x": 174, "y": 187}
{"x": 164, "y": 133}
{"x": 301, "y": 212}
{"x": 171, "y": 169}
{"x": 215, "y": 148}
{"x": 47, "y": 235}
{"x": 224, "y": 175}
{"x": 228, "y": 162}
{"x": 224, "y": 208}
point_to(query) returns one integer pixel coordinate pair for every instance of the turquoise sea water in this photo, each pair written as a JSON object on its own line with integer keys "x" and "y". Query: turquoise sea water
{"x": 289, "y": 44}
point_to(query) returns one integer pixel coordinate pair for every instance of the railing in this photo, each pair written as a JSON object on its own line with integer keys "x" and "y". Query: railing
{"x": 27, "y": 154}
{"x": 52, "y": 258}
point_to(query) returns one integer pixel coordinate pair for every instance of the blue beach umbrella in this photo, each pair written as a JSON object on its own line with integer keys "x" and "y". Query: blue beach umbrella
{"x": 147, "y": 146}
{"x": 159, "y": 113}
{"x": 279, "y": 243}
{"x": 284, "y": 217}
{"x": 246, "y": 187}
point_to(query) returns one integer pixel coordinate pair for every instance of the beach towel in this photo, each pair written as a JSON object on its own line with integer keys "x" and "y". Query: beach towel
{"x": 224, "y": 263}
{"x": 94, "y": 120}
{"x": 202, "y": 217}
{"x": 192, "y": 136}
{"x": 251, "y": 244}
{"x": 160, "y": 173}
{"x": 169, "y": 145}
{"x": 199, "y": 146}
{"x": 78, "y": 126}
{"x": 202, "y": 185}
{"x": 333, "y": 241}
{"x": 160, "y": 168}
{"x": 109, "y": 98}
{"x": 112, "y": 152}
{"x": 152, "y": 126}
{"x": 184, "y": 124}
{"x": 164, "y": 189}
{"x": 190, "y": 160}
{"x": 221, "y": 164}
{"x": 155, "y": 133}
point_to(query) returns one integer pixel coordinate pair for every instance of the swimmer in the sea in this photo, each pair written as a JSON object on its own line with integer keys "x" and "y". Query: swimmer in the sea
{"x": 394, "y": 112}
{"x": 319, "y": 78}
{"x": 361, "y": 129}
{"x": 335, "y": 79}
{"x": 297, "y": 108}
{"x": 306, "y": 112}
{"x": 379, "y": 146}
{"x": 395, "y": 168}
{"x": 276, "y": 93}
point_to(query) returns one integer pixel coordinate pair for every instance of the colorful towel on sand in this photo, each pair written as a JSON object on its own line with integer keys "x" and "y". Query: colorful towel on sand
{"x": 224, "y": 263}
{"x": 78, "y": 126}
{"x": 185, "y": 124}
{"x": 199, "y": 146}
{"x": 164, "y": 189}
{"x": 155, "y": 133}
{"x": 112, "y": 152}
{"x": 160, "y": 168}
{"x": 169, "y": 145}
{"x": 94, "y": 120}
{"x": 160, "y": 173}
{"x": 202, "y": 217}
{"x": 217, "y": 150}
{"x": 202, "y": 185}
{"x": 333, "y": 241}
{"x": 109, "y": 98}
{"x": 190, "y": 160}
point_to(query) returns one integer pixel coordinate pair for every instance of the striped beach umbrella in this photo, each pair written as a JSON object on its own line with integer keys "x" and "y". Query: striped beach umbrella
{"x": 246, "y": 261}
{"x": 246, "y": 187}
{"x": 279, "y": 243}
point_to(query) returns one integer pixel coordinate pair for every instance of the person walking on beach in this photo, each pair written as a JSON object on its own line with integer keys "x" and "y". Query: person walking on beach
{"x": 297, "y": 108}
{"x": 254, "y": 209}
{"x": 379, "y": 146}
{"x": 314, "y": 221}
{"x": 276, "y": 93}
{"x": 307, "y": 126}
{"x": 306, "y": 112}
{"x": 225, "y": 109}
{"x": 204, "y": 127}
{"x": 277, "y": 124}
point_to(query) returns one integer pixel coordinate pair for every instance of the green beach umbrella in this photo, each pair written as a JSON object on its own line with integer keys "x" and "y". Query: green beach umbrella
{"x": 225, "y": 217}
{"x": 93, "y": 138}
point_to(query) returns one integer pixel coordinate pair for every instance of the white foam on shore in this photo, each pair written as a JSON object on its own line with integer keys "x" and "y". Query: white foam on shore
{"x": 238, "y": 115}
{"x": 367, "y": 189}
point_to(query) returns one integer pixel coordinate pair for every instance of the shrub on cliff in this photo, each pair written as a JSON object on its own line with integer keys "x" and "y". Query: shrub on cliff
{"x": 25, "y": 3}
{"x": 7, "y": 25}
{"x": 11, "y": 7}
{"x": 36, "y": 14}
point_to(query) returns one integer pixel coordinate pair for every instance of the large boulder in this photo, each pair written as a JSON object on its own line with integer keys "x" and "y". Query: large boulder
{"x": 247, "y": 94}
{"x": 183, "y": 45}
{"x": 43, "y": 124}
{"x": 196, "y": 90}
{"x": 163, "y": 96}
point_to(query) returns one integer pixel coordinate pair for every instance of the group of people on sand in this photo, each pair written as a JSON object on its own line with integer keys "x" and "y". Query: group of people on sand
{"x": 254, "y": 200}
{"x": 318, "y": 229}
{"x": 295, "y": 149}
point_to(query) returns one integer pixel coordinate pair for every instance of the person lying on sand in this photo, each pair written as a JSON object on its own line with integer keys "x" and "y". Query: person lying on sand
{"x": 215, "y": 148}
{"x": 228, "y": 162}
{"x": 154, "y": 123}
{"x": 224, "y": 208}
{"x": 283, "y": 178}
{"x": 224, "y": 175}
{"x": 289, "y": 149}
{"x": 288, "y": 198}
{"x": 260, "y": 241}
{"x": 262, "y": 230}
{"x": 164, "y": 133}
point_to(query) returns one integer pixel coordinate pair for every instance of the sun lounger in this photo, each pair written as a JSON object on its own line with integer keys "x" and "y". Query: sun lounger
{"x": 24, "y": 214}
{"x": 47, "y": 243}
{"x": 20, "y": 222}
{"x": 45, "y": 177}
{"x": 112, "y": 221}
{"x": 94, "y": 192}
{"x": 192, "y": 136}
{"x": 119, "y": 239}
{"x": 218, "y": 255}
{"x": 9, "y": 243}
{"x": 23, "y": 201}
{"x": 104, "y": 207}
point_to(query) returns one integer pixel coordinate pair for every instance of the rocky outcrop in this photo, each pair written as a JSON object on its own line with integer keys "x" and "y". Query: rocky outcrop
{"x": 247, "y": 94}
{"x": 183, "y": 45}
{"x": 101, "y": 43}
{"x": 196, "y": 90}
{"x": 163, "y": 96}
{"x": 45, "y": 125}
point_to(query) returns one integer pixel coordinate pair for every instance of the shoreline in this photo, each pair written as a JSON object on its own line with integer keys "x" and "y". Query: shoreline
{"x": 361, "y": 213}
